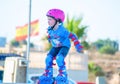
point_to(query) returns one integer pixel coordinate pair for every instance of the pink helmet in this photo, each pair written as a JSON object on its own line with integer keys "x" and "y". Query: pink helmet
{"x": 56, "y": 14}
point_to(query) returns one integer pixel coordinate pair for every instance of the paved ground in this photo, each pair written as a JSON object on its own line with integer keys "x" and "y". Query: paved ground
{"x": 76, "y": 75}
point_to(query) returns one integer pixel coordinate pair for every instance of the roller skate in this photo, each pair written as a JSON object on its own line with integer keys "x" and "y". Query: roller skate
{"x": 46, "y": 78}
{"x": 61, "y": 78}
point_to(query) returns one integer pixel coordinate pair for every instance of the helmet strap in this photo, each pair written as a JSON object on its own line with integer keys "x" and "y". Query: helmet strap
{"x": 54, "y": 24}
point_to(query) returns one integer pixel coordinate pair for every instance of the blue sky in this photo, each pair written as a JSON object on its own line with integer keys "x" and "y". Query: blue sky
{"x": 102, "y": 16}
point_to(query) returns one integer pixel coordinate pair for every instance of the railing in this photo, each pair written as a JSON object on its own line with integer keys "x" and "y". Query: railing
{"x": 4, "y": 55}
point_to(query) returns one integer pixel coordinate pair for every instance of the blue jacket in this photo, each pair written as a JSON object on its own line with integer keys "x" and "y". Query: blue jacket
{"x": 59, "y": 37}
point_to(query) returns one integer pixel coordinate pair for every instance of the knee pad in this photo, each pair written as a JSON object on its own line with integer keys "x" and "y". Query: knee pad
{"x": 49, "y": 60}
{"x": 60, "y": 60}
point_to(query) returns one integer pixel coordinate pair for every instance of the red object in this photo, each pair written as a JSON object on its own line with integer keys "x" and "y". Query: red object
{"x": 76, "y": 42}
{"x": 85, "y": 83}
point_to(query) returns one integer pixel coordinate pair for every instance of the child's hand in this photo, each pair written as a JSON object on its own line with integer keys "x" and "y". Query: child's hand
{"x": 79, "y": 48}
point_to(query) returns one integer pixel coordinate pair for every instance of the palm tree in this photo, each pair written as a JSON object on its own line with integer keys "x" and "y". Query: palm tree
{"x": 74, "y": 25}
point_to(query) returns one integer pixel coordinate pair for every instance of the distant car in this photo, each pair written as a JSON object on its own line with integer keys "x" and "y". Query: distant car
{"x": 34, "y": 78}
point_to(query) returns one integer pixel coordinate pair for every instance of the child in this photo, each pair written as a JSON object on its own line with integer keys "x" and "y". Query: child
{"x": 59, "y": 37}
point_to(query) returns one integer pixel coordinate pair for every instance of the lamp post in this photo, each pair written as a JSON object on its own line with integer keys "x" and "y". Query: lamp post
{"x": 28, "y": 41}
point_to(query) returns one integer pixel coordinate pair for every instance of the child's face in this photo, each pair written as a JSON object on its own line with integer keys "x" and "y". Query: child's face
{"x": 51, "y": 21}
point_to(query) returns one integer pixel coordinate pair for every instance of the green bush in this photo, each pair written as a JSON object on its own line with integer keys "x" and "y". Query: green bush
{"x": 107, "y": 50}
{"x": 85, "y": 45}
{"x": 95, "y": 69}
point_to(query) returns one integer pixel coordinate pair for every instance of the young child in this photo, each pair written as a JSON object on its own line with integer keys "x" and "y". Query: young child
{"x": 59, "y": 37}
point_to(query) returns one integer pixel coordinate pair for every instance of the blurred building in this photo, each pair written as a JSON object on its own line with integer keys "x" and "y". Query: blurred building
{"x": 2, "y": 41}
